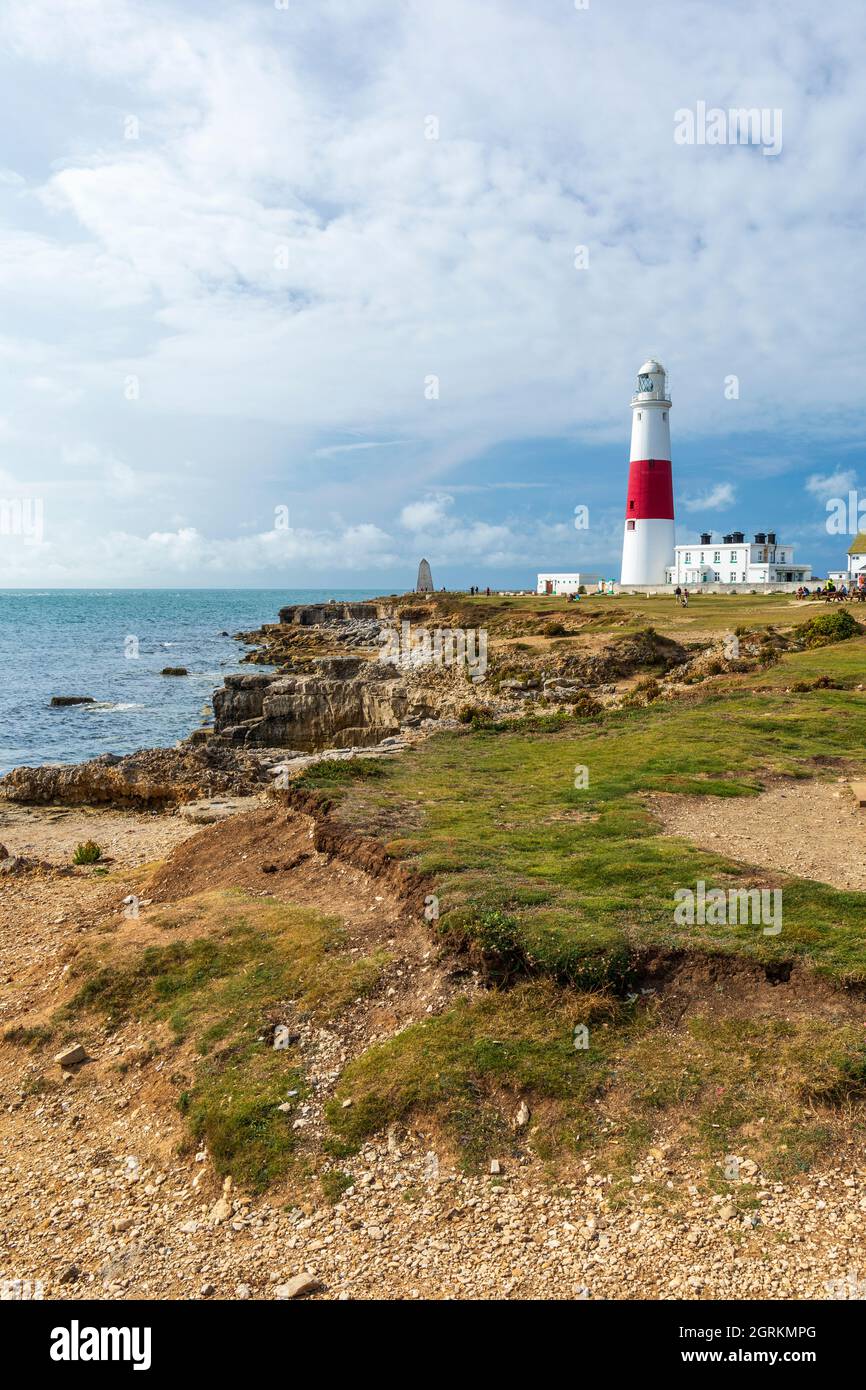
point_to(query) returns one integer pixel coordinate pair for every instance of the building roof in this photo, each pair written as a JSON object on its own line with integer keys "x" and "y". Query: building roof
{"x": 858, "y": 545}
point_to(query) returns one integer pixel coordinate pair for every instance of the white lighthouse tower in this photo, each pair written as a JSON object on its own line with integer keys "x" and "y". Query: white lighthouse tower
{"x": 648, "y": 540}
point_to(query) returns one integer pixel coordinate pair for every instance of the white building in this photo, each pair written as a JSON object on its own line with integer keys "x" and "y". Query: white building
{"x": 857, "y": 557}
{"x": 566, "y": 583}
{"x": 734, "y": 560}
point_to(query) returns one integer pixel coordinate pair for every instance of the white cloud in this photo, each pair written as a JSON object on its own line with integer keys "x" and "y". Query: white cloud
{"x": 718, "y": 498}
{"x": 825, "y": 486}
{"x": 282, "y": 258}
{"x": 430, "y": 514}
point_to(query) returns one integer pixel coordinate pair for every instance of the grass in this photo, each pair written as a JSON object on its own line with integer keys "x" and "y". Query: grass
{"x": 220, "y": 986}
{"x": 585, "y": 873}
{"x": 766, "y": 1088}
{"x": 338, "y": 772}
{"x": 453, "y": 1065}
{"x": 546, "y": 883}
{"x": 88, "y": 852}
{"x": 618, "y": 613}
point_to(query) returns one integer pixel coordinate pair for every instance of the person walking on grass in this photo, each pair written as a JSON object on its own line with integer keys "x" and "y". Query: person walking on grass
{"x": 678, "y": 594}
{"x": 685, "y": 598}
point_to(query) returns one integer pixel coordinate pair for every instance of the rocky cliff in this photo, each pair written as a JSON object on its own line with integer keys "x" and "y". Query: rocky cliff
{"x": 153, "y": 778}
{"x": 340, "y": 702}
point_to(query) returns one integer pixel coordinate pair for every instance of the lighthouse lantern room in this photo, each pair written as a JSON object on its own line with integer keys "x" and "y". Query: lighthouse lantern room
{"x": 648, "y": 539}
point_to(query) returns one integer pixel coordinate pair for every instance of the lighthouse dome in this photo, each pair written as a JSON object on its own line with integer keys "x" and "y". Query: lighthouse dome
{"x": 652, "y": 383}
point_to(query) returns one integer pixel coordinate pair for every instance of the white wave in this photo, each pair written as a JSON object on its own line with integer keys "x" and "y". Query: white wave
{"x": 103, "y": 705}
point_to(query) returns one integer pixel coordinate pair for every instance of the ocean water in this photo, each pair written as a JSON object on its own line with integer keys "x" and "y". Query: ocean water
{"x": 78, "y": 642}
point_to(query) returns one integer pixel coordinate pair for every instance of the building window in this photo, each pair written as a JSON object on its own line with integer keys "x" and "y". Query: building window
{"x": 733, "y": 557}
{"x": 781, "y": 557}
{"x": 733, "y": 578}
{"x": 744, "y": 577}
{"x": 716, "y": 557}
{"x": 716, "y": 576}
{"x": 687, "y": 558}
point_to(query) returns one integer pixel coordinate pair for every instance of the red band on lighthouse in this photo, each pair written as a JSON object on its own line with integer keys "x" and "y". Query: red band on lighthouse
{"x": 650, "y": 490}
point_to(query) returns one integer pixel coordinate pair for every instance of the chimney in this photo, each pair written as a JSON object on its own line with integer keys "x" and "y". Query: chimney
{"x": 760, "y": 538}
{"x": 771, "y": 538}
{"x": 738, "y": 537}
{"x": 706, "y": 537}
{"x": 727, "y": 540}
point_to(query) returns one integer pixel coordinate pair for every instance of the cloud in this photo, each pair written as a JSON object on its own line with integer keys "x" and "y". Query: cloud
{"x": 718, "y": 498}
{"x": 282, "y": 256}
{"x": 332, "y": 450}
{"x": 825, "y": 486}
{"x": 427, "y": 515}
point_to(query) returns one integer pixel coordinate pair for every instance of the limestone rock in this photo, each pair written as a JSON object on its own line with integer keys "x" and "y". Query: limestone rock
{"x": 222, "y": 1208}
{"x": 153, "y": 777}
{"x": 297, "y": 1287}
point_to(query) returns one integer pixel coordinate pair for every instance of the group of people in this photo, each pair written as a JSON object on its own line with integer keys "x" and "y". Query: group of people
{"x": 474, "y": 589}
{"x": 828, "y": 592}
{"x": 682, "y": 596}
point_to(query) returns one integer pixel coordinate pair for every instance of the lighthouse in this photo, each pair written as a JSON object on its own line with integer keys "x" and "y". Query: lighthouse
{"x": 648, "y": 539}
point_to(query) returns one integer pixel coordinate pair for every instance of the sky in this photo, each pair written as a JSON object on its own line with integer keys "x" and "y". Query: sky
{"x": 295, "y": 293}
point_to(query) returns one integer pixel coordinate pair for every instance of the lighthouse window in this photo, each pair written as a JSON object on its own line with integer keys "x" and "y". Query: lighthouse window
{"x": 664, "y": 415}
{"x": 629, "y": 526}
{"x": 631, "y": 506}
{"x": 638, "y": 415}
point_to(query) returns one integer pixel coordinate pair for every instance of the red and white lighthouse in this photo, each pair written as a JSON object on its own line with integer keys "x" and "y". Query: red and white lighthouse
{"x": 648, "y": 540}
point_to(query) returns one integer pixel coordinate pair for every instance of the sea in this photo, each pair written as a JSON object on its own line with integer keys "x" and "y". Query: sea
{"x": 112, "y": 645}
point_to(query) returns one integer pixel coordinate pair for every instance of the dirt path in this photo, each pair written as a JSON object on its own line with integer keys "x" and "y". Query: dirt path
{"x": 810, "y": 829}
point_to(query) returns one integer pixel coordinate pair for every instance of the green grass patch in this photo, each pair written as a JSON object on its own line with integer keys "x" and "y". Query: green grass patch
{"x": 221, "y": 984}
{"x": 467, "y": 1068}
{"x": 88, "y": 852}
{"x": 498, "y": 811}
{"x": 333, "y": 773}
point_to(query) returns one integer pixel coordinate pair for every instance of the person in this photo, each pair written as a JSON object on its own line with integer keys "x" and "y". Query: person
{"x": 685, "y": 598}
{"x": 679, "y": 593}
{"x": 488, "y": 591}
